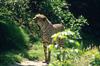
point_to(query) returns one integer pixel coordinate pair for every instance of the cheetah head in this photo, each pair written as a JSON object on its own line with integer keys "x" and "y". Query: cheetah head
{"x": 40, "y": 18}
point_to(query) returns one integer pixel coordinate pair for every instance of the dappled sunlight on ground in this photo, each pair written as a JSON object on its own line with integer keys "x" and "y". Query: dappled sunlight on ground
{"x": 33, "y": 63}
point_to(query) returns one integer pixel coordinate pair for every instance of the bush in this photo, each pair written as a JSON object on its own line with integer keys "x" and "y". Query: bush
{"x": 56, "y": 8}
{"x": 96, "y": 61}
{"x": 9, "y": 58}
{"x": 69, "y": 50}
{"x": 12, "y": 37}
{"x": 68, "y": 38}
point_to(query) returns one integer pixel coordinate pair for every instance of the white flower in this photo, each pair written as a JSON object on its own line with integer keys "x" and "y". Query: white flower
{"x": 56, "y": 45}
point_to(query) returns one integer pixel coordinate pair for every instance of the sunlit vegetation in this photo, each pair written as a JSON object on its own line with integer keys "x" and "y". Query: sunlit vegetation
{"x": 20, "y": 37}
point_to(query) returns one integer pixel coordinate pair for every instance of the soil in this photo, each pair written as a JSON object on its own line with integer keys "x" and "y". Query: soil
{"x": 30, "y": 63}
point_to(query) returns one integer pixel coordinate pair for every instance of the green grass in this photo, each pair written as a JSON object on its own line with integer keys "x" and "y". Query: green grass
{"x": 9, "y": 58}
{"x": 34, "y": 53}
{"x": 86, "y": 58}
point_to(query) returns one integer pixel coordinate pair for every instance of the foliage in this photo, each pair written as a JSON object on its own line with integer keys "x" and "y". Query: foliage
{"x": 61, "y": 9}
{"x": 72, "y": 57}
{"x": 9, "y": 58}
{"x": 54, "y": 10}
{"x": 17, "y": 9}
{"x": 16, "y": 22}
{"x": 12, "y": 37}
{"x": 71, "y": 54}
{"x": 69, "y": 51}
{"x": 65, "y": 57}
{"x": 35, "y": 52}
{"x": 14, "y": 29}
{"x": 12, "y": 57}
{"x": 68, "y": 38}
{"x": 96, "y": 61}
{"x": 17, "y": 12}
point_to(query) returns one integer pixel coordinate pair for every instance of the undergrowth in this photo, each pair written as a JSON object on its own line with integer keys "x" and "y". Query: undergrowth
{"x": 90, "y": 57}
{"x": 87, "y": 58}
{"x": 34, "y": 53}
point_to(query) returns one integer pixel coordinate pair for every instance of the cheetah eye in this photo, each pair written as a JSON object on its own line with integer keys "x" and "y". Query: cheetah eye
{"x": 37, "y": 17}
{"x": 44, "y": 19}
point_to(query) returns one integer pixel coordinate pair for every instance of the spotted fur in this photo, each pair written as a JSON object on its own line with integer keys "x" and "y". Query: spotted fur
{"x": 47, "y": 30}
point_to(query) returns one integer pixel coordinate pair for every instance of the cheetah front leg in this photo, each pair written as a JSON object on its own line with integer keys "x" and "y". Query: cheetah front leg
{"x": 49, "y": 55}
{"x": 45, "y": 52}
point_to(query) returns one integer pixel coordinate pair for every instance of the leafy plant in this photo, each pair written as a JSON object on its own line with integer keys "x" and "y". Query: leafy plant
{"x": 12, "y": 37}
{"x": 96, "y": 61}
{"x": 69, "y": 50}
{"x": 65, "y": 16}
{"x": 67, "y": 37}
{"x": 9, "y": 58}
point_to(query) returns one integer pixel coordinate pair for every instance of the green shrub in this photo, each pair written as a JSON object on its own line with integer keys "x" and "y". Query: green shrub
{"x": 69, "y": 52}
{"x": 36, "y": 52}
{"x": 68, "y": 37}
{"x": 96, "y": 61}
{"x": 12, "y": 37}
{"x": 17, "y": 12}
{"x": 54, "y": 9}
{"x": 9, "y": 58}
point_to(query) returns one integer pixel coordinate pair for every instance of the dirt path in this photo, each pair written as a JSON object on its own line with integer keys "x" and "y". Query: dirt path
{"x": 30, "y": 63}
{"x": 33, "y": 63}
